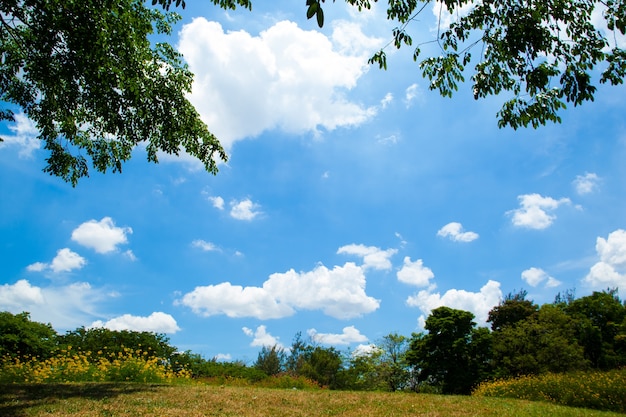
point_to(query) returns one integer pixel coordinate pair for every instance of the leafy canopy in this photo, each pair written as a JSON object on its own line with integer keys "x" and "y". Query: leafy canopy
{"x": 86, "y": 73}
{"x": 541, "y": 54}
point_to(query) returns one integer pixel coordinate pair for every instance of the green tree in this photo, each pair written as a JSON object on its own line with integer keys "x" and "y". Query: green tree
{"x": 271, "y": 360}
{"x": 86, "y": 73}
{"x": 22, "y": 338}
{"x": 393, "y": 366}
{"x": 543, "y": 342}
{"x": 323, "y": 365}
{"x": 600, "y": 318}
{"x": 513, "y": 309}
{"x": 448, "y": 356}
{"x": 537, "y": 55}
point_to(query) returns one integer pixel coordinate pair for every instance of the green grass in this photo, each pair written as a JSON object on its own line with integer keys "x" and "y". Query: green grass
{"x": 122, "y": 399}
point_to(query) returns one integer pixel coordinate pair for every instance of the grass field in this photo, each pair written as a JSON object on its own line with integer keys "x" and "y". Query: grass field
{"x": 131, "y": 399}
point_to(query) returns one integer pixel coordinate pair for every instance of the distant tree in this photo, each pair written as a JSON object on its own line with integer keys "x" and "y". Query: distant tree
{"x": 297, "y": 354}
{"x": 513, "y": 309}
{"x": 271, "y": 360}
{"x": 22, "y": 338}
{"x": 448, "y": 355}
{"x": 104, "y": 342}
{"x": 535, "y": 55}
{"x": 600, "y": 329}
{"x": 393, "y": 365}
{"x": 363, "y": 371}
{"x": 543, "y": 342}
{"x": 323, "y": 365}
{"x": 88, "y": 76}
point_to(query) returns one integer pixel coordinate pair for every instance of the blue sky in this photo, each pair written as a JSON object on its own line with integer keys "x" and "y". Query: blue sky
{"x": 354, "y": 202}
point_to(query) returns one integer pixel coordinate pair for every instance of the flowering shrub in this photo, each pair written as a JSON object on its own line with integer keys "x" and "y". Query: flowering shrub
{"x": 596, "y": 390}
{"x": 76, "y": 366}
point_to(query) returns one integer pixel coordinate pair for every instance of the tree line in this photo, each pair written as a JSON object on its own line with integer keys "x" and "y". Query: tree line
{"x": 452, "y": 356}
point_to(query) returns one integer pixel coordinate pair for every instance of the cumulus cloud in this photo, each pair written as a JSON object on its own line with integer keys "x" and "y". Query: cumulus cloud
{"x": 65, "y": 261}
{"x": 373, "y": 257}
{"x": 156, "y": 322}
{"x": 244, "y": 210}
{"x": 535, "y": 276}
{"x": 24, "y": 136}
{"x": 261, "y": 337}
{"x": 102, "y": 236}
{"x": 585, "y": 184}
{"x": 338, "y": 292}
{"x": 365, "y": 350}
{"x": 217, "y": 202}
{"x": 64, "y": 306}
{"x": 610, "y": 270}
{"x": 454, "y": 231}
{"x": 478, "y": 303}
{"x": 535, "y": 211}
{"x": 349, "y": 335}
{"x": 204, "y": 245}
{"x": 415, "y": 273}
{"x": 286, "y": 77}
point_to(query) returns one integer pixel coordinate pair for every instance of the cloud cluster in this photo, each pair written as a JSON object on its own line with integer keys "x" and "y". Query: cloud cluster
{"x": 261, "y": 337}
{"x": 157, "y": 322}
{"x": 338, "y": 292}
{"x": 65, "y": 261}
{"x": 24, "y": 136}
{"x": 102, "y": 236}
{"x": 415, "y": 273}
{"x": 373, "y": 257}
{"x": 610, "y": 270}
{"x": 535, "y": 211}
{"x": 454, "y": 231}
{"x": 349, "y": 335}
{"x": 535, "y": 276}
{"x": 286, "y": 77}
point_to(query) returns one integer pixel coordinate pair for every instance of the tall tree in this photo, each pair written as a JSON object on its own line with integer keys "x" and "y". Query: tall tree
{"x": 446, "y": 355}
{"x": 22, "y": 338}
{"x": 536, "y": 54}
{"x": 86, "y": 73}
{"x": 271, "y": 360}
{"x": 513, "y": 309}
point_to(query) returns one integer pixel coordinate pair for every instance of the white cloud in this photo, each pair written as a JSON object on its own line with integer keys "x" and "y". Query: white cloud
{"x": 455, "y": 232}
{"x": 610, "y": 270}
{"x": 24, "y": 136}
{"x": 285, "y": 77}
{"x": 67, "y": 261}
{"x": 415, "y": 273}
{"x": 157, "y": 322}
{"x": 411, "y": 93}
{"x": 387, "y": 100}
{"x": 102, "y": 236}
{"x": 64, "y": 306}
{"x": 260, "y": 337}
{"x": 338, "y": 292}
{"x": 587, "y": 183}
{"x": 350, "y": 335}
{"x": 535, "y": 211}
{"x": 204, "y": 245}
{"x": 223, "y": 357}
{"x": 373, "y": 257}
{"x": 479, "y": 303}
{"x": 365, "y": 350}
{"x": 535, "y": 276}
{"x": 244, "y": 210}
{"x": 37, "y": 267}
{"x": 19, "y": 296}
{"x": 218, "y": 202}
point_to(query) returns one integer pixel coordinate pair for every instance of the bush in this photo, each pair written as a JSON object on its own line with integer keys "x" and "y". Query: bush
{"x": 594, "y": 390}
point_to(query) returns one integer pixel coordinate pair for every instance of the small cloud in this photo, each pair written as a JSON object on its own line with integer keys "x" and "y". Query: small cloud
{"x": 403, "y": 242}
{"x": 610, "y": 270}
{"x": 67, "y": 261}
{"x": 415, "y": 273}
{"x": 386, "y": 100}
{"x": 244, "y": 210}
{"x": 455, "y": 232}
{"x": 102, "y": 236}
{"x": 411, "y": 93}
{"x": 388, "y": 140}
{"x": 585, "y": 184}
{"x": 218, "y": 202}
{"x": 156, "y": 322}
{"x": 260, "y": 337}
{"x": 24, "y": 136}
{"x": 37, "y": 267}
{"x": 373, "y": 257}
{"x": 326, "y": 175}
{"x": 204, "y": 245}
{"x": 20, "y": 295}
{"x": 535, "y": 211}
{"x": 350, "y": 335}
{"x": 365, "y": 350}
{"x": 535, "y": 276}
{"x": 223, "y": 357}
{"x": 130, "y": 255}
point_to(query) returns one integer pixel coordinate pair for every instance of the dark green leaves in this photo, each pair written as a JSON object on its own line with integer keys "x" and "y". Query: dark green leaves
{"x": 86, "y": 74}
{"x": 315, "y": 9}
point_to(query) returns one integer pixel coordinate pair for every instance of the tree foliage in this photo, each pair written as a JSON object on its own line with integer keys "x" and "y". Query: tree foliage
{"x": 86, "y": 73}
{"x": 538, "y": 54}
{"x": 22, "y": 338}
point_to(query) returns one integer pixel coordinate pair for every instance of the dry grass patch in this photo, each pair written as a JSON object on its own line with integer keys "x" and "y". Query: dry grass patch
{"x": 99, "y": 400}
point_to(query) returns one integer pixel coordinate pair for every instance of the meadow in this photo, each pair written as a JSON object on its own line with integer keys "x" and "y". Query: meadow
{"x": 135, "y": 399}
